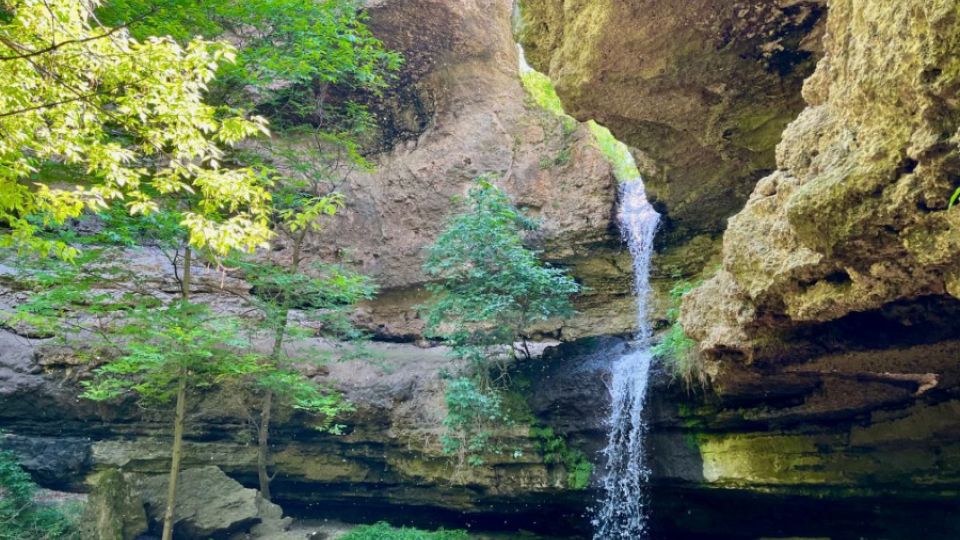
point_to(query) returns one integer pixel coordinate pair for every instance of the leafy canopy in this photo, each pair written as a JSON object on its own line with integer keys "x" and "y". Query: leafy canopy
{"x": 289, "y": 42}
{"x": 130, "y": 115}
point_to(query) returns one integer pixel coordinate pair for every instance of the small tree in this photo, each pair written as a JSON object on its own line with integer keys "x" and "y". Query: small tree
{"x": 168, "y": 351}
{"x": 490, "y": 290}
{"x": 323, "y": 297}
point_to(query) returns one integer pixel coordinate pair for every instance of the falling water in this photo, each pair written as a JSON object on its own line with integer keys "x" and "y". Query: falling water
{"x": 622, "y": 513}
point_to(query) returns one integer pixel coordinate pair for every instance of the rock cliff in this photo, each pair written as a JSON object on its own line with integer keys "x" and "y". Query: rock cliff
{"x": 832, "y": 322}
{"x": 462, "y": 64}
{"x": 702, "y": 90}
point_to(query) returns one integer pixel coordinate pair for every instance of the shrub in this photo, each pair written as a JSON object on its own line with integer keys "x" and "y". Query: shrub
{"x": 676, "y": 350}
{"x": 21, "y": 517}
{"x": 555, "y": 450}
{"x": 472, "y": 414}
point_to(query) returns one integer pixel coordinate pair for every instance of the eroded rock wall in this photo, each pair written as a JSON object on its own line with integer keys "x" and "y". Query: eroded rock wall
{"x": 475, "y": 118}
{"x": 832, "y": 322}
{"x": 702, "y": 89}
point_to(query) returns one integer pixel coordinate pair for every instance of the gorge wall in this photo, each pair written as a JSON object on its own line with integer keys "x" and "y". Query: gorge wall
{"x": 831, "y": 324}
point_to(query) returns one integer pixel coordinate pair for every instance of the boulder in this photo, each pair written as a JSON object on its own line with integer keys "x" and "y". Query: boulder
{"x": 113, "y": 511}
{"x": 209, "y": 504}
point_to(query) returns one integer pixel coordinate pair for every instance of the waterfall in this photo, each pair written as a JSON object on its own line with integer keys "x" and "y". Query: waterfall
{"x": 622, "y": 513}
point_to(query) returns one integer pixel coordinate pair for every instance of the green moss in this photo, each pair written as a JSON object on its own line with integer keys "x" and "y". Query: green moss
{"x": 544, "y": 94}
{"x": 617, "y": 153}
{"x": 556, "y": 451}
{"x": 541, "y": 90}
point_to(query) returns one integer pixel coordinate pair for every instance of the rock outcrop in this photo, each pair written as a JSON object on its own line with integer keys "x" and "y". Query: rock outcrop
{"x": 702, "y": 89}
{"x": 209, "y": 504}
{"x": 833, "y": 321}
{"x": 475, "y": 118}
{"x": 113, "y": 511}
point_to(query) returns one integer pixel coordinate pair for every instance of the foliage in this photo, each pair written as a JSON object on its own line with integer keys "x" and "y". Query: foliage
{"x": 166, "y": 344}
{"x": 556, "y": 451}
{"x": 490, "y": 290}
{"x": 471, "y": 411}
{"x": 954, "y": 197}
{"x": 676, "y": 350}
{"x": 131, "y": 115}
{"x": 490, "y": 287}
{"x": 287, "y": 41}
{"x": 21, "y": 517}
{"x": 383, "y": 531}
{"x": 324, "y": 299}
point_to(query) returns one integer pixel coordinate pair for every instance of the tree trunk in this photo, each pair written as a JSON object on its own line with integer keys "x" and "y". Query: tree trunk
{"x": 180, "y": 418}
{"x": 185, "y": 284}
{"x": 263, "y": 455}
{"x": 176, "y": 458}
{"x": 263, "y": 433}
{"x": 266, "y": 407}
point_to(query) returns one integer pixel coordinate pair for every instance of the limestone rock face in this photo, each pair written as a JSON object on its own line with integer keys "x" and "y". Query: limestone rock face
{"x": 856, "y": 217}
{"x": 473, "y": 118}
{"x": 701, "y": 88}
{"x": 832, "y": 323}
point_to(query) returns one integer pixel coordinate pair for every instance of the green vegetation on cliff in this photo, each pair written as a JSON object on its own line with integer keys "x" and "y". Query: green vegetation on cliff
{"x": 676, "y": 351}
{"x": 544, "y": 94}
{"x": 490, "y": 289}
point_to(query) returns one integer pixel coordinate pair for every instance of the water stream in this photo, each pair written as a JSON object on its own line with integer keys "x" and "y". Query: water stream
{"x": 622, "y": 509}
{"x": 622, "y": 512}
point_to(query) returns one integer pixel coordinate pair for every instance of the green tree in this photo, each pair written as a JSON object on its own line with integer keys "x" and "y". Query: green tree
{"x": 489, "y": 291}
{"x": 161, "y": 350}
{"x": 489, "y": 288}
{"x": 128, "y": 116}
{"x": 305, "y": 45}
{"x": 322, "y": 298}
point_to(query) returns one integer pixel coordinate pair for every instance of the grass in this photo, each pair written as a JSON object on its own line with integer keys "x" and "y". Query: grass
{"x": 384, "y": 531}
{"x": 676, "y": 350}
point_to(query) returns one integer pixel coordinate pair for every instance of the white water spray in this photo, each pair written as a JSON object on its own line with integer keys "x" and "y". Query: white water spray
{"x": 623, "y": 509}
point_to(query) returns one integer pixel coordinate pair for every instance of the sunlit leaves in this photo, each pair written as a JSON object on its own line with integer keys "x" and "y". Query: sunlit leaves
{"x": 130, "y": 114}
